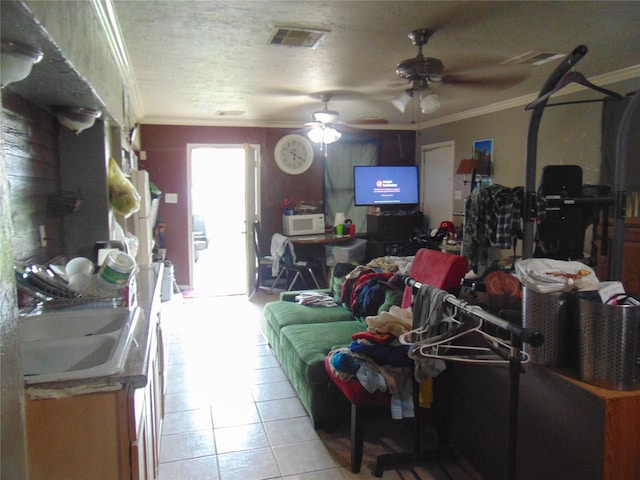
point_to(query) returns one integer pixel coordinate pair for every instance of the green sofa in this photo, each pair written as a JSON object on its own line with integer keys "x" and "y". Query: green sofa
{"x": 302, "y": 336}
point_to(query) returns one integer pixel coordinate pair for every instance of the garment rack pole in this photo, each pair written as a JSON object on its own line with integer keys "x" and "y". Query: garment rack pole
{"x": 627, "y": 128}
{"x": 519, "y": 336}
{"x": 532, "y": 147}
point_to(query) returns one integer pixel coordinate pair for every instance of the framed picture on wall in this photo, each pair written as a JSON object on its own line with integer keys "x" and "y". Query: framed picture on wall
{"x": 483, "y": 152}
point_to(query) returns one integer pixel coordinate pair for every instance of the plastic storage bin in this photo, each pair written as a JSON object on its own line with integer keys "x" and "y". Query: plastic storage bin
{"x": 609, "y": 345}
{"x": 348, "y": 252}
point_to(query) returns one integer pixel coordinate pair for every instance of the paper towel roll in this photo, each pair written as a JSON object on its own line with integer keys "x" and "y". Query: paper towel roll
{"x": 339, "y": 219}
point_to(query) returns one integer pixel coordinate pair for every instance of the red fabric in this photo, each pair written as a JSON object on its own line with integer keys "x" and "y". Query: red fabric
{"x": 448, "y": 226}
{"x": 378, "y": 338}
{"x": 439, "y": 269}
{"x": 355, "y": 392}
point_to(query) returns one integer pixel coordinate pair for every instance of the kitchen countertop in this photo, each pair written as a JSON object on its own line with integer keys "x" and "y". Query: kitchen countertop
{"x": 136, "y": 367}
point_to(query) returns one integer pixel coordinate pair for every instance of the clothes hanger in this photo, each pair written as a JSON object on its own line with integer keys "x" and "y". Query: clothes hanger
{"x": 441, "y": 347}
{"x": 477, "y": 355}
{"x": 458, "y": 330}
{"x": 573, "y": 77}
{"x": 408, "y": 338}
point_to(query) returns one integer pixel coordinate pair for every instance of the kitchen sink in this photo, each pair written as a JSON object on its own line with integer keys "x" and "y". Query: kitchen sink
{"x": 68, "y": 324}
{"x": 58, "y": 346}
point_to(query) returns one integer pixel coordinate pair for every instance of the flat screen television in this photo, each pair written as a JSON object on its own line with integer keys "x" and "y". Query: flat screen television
{"x": 386, "y": 185}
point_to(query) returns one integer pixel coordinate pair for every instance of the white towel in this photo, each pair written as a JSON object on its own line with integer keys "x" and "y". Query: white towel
{"x": 279, "y": 245}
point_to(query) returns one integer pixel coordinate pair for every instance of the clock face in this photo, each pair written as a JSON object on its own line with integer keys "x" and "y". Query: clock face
{"x": 294, "y": 154}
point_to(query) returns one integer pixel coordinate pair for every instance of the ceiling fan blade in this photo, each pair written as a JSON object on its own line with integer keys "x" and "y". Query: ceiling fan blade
{"x": 487, "y": 81}
{"x": 368, "y": 121}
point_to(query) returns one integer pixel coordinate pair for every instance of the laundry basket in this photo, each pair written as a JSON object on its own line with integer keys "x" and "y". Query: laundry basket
{"x": 609, "y": 345}
{"x": 548, "y": 314}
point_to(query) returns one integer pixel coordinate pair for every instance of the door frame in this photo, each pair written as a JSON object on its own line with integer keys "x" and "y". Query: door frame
{"x": 424, "y": 150}
{"x": 239, "y": 146}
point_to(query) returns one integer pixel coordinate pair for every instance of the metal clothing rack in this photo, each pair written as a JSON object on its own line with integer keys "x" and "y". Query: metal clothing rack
{"x": 519, "y": 336}
{"x": 618, "y": 199}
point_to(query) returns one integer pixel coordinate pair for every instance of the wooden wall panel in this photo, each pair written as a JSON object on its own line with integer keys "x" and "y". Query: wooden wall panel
{"x": 32, "y": 167}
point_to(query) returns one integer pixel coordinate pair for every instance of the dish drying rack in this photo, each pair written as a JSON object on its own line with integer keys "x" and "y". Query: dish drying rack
{"x": 43, "y": 298}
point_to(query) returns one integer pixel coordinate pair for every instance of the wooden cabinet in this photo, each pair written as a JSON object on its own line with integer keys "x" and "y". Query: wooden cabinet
{"x": 79, "y": 437}
{"x": 621, "y": 436}
{"x": 103, "y": 435}
{"x": 567, "y": 429}
{"x": 147, "y": 409}
{"x": 630, "y": 257}
{"x": 111, "y": 432}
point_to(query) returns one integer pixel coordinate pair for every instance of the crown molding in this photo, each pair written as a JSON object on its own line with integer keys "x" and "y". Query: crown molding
{"x": 600, "y": 80}
{"x": 106, "y": 15}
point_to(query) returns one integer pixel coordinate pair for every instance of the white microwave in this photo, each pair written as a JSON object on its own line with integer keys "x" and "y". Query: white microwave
{"x": 303, "y": 224}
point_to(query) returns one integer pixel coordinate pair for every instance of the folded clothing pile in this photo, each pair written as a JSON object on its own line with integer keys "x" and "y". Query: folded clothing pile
{"x": 378, "y": 361}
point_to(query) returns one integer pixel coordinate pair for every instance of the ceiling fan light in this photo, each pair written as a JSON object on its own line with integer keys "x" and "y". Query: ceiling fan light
{"x": 17, "y": 60}
{"x": 316, "y": 134}
{"x": 326, "y": 116}
{"x": 402, "y": 100}
{"x": 331, "y": 135}
{"x": 430, "y": 103}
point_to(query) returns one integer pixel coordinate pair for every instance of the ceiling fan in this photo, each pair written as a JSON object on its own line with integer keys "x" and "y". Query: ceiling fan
{"x": 422, "y": 71}
{"x": 323, "y": 128}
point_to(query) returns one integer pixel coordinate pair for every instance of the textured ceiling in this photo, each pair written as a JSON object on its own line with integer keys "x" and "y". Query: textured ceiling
{"x": 192, "y": 59}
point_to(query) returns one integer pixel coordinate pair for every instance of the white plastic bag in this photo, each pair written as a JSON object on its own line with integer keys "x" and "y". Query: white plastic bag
{"x": 546, "y": 275}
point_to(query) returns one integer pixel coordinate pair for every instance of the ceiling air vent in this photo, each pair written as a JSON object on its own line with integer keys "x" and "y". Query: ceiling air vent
{"x": 296, "y": 37}
{"x": 534, "y": 57}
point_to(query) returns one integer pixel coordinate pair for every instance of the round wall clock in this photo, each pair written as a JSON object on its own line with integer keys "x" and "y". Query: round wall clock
{"x": 294, "y": 154}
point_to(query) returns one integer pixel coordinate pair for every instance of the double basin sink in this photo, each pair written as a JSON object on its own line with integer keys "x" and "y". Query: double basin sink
{"x": 64, "y": 345}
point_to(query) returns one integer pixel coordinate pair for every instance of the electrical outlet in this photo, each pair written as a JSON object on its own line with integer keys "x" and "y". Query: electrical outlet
{"x": 43, "y": 235}
{"x": 143, "y": 155}
{"x": 171, "y": 198}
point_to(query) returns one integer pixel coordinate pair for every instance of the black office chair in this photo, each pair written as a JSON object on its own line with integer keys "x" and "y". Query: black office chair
{"x": 288, "y": 264}
{"x": 264, "y": 262}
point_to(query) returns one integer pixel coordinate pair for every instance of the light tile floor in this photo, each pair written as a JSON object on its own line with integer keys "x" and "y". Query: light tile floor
{"x": 231, "y": 413}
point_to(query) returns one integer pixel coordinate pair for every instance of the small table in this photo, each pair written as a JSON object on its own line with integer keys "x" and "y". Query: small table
{"x": 311, "y": 247}
{"x": 321, "y": 238}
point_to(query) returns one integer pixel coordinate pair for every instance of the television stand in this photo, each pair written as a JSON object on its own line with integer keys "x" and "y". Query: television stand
{"x": 386, "y": 233}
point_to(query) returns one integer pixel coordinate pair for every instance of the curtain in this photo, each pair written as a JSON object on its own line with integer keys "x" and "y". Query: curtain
{"x": 338, "y": 179}
{"x": 612, "y": 112}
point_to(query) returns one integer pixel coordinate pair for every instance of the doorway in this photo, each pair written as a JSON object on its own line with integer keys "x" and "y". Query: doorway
{"x": 217, "y": 178}
{"x": 437, "y": 182}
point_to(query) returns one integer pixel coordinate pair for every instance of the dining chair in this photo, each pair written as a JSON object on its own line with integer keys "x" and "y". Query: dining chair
{"x": 282, "y": 251}
{"x": 264, "y": 261}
